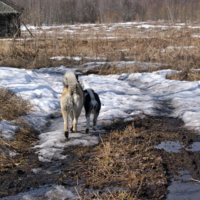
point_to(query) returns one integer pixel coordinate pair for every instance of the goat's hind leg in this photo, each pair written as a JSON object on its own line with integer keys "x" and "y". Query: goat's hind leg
{"x": 65, "y": 118}
{"x": 87, "y": 122}
{"x": 75, "y": 122}
{"x": 96, "y": 114}
{"x": 71, "y": 115}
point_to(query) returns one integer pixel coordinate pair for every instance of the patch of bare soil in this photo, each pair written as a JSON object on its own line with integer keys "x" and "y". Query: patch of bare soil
{"x": 125, "y": 165}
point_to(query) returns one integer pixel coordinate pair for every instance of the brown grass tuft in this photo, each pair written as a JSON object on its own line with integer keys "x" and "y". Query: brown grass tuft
{"x": 21, "y": 146}
{"x": 12, "y": 106}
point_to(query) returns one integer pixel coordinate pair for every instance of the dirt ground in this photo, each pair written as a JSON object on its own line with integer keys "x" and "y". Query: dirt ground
{"x": 126, "y": 158}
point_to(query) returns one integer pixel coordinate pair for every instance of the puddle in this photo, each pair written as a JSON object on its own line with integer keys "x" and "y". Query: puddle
{"x": 194, "y": 147}
{"x": 54, "y": 192}
{"x": 32, "y": 194}
{"x": 45, "y": 193}
{"x": 170, "y": 146}
{"x": 181, "y": 190}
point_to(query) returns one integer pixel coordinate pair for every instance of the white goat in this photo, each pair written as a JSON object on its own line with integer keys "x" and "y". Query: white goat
{"x": 71, "y": 101}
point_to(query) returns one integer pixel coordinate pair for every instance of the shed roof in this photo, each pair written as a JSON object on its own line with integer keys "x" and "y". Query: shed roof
{"x": 8, "y": 6}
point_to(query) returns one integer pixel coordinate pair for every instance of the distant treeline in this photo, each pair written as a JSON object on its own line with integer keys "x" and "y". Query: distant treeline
{"x": 39, "y": 12}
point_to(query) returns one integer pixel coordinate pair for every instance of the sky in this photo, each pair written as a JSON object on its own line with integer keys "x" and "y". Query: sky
{"x": 122, "y": 96}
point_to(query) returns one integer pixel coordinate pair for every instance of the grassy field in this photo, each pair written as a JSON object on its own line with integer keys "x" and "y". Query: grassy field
{"x": 172, "y": 47}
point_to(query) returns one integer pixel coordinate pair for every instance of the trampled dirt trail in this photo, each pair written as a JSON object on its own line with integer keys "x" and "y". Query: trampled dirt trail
{"x": 37, "y": 178}
{"x": 35, "y": 174}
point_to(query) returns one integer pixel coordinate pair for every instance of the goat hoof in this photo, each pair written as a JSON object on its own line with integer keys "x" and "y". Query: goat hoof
{"x": 66, "y": 134}
{"x": 71, "y": 129}
{"x": 87, "y": 130}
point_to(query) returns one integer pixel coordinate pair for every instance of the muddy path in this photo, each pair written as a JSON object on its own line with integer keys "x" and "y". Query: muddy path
{"x": 35, "y": 174}
{"x": 178, "y": 168}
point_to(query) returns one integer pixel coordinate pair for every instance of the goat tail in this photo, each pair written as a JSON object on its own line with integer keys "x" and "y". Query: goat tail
{"x": 70, "y": 81}
{"x": 72, "y": 89}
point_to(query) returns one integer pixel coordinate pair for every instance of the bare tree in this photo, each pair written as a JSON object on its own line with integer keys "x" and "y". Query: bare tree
{"x": 39, "y": 12}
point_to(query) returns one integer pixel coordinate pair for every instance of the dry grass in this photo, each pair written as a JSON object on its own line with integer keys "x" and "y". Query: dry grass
{"x": 176, "y": 48}
{"x": 185, "y": 75}
{"x": 123, "y": 166}
{"x": 114, "y": 164}
{"x": 12, "y": 106}
{"x": 21, "y": 146}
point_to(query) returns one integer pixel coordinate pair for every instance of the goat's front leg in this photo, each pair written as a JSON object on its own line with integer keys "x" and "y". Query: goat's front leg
{"x": 65, "y": 118}
{"x": 71, "y": 115}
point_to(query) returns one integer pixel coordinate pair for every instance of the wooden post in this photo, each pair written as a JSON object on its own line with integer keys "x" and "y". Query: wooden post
{"x": 27, "y": 28}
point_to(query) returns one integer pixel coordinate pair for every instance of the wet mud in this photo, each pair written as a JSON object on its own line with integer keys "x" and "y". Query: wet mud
{"x": 33, "y": 175}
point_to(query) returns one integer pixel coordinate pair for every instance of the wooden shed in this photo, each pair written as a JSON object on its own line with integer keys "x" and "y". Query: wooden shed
{"x": 9, "y": 18}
